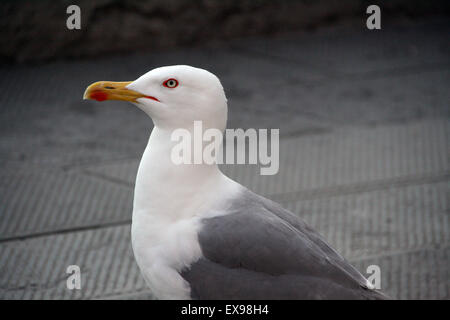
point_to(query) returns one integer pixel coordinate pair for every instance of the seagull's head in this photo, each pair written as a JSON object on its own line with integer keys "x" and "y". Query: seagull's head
{"x": 173, "y": 96}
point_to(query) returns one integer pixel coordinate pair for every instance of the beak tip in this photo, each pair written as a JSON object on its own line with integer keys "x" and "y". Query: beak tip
{"x": 85, "y": 95}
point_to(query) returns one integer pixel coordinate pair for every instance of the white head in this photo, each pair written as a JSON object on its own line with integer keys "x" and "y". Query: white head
{"x": 173, "y": 96}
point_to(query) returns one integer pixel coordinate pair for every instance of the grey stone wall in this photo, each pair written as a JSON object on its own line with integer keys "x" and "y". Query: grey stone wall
{"x": 32, "y": 30}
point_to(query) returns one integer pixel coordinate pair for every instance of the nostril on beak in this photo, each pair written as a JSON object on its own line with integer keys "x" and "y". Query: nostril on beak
{"x": 109, "y": 88}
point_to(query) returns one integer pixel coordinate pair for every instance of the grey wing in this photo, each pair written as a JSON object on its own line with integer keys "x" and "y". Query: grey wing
{"x": 262, "y": 251}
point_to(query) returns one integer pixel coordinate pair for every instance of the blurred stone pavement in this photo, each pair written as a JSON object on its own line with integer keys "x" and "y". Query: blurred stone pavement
{"x": 364, "y": 155}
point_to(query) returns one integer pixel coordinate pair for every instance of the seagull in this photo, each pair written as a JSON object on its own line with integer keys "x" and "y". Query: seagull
{"x": 197, "y": 234}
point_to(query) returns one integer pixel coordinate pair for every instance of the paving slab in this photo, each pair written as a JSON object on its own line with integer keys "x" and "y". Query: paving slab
{"x": 36, "y": 268}
{"x": 345, "y": 157}
{"x": 340, "y": 52}
{"x": 41, "y": 203}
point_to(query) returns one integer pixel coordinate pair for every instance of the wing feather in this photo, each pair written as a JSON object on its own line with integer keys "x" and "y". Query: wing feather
{"x": 261, "y": 251}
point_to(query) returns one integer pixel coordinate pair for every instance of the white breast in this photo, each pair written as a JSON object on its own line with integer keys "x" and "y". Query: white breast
{"x": 169, "y": 203}
{"x": 162, "y": 249}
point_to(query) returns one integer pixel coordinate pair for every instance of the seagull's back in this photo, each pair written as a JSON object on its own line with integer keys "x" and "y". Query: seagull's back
{"x": 258, "y": 250}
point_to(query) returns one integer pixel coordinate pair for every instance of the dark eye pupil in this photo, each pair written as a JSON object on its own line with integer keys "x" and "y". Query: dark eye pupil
{"x": 171, "y": 83}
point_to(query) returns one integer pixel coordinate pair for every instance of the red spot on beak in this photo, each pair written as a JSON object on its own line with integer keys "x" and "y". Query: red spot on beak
{"x": 99, "y": 96}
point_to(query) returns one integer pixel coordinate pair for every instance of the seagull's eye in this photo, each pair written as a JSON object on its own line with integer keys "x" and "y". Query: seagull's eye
{"x": 170, "y": 83}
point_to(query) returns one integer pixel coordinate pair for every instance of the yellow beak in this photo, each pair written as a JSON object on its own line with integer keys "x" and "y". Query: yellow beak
{"x": 108, "y": 90}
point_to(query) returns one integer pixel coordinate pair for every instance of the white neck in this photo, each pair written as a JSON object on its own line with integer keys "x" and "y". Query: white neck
{"x": 169, "y": 191}
{"x": 169, "y": 203}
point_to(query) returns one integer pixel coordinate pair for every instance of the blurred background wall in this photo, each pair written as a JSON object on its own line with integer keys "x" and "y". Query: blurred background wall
{"x": 35, "y": 30}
